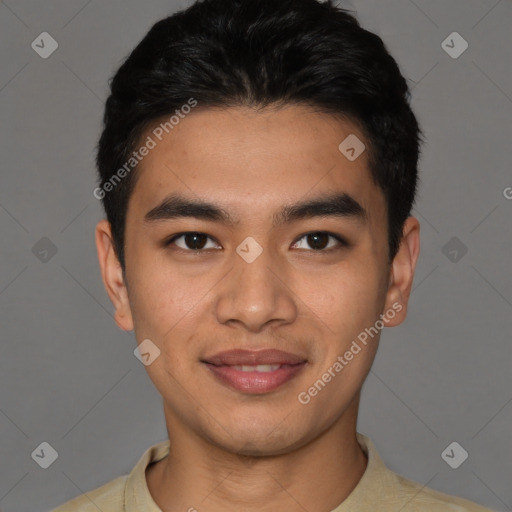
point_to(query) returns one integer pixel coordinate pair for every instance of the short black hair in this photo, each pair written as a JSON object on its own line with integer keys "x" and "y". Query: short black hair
{"x": 262, "y": 53}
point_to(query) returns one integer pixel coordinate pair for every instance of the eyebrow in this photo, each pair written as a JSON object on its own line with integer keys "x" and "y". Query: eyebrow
{"x": 341, "y": 205}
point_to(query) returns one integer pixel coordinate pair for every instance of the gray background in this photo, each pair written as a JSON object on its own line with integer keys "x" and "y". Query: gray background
{"x": 68, "y": 374}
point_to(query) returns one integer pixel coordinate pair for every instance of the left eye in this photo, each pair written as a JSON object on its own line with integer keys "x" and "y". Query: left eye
{"x": 319, "y": 240}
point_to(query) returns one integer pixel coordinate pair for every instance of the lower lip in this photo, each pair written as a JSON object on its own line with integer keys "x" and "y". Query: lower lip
{"x": 255, "y": 382}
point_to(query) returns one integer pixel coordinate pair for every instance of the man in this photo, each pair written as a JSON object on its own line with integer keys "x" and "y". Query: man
{"x": 258, "y": 166}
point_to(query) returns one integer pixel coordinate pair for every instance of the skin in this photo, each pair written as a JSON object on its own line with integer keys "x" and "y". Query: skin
{"x": 231, "y": 450}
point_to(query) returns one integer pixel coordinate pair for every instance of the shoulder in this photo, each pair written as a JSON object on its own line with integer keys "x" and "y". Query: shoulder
{"x": 107, "y": 498}
{"x": 393, "y": 492}
{"x": 418, "y": 498}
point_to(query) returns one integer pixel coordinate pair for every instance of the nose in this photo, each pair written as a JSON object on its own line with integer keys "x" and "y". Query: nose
{"x": 256, "y": 293}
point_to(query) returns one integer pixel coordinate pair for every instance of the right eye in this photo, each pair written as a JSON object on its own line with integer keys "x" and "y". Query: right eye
{"x": 192, "y": 241}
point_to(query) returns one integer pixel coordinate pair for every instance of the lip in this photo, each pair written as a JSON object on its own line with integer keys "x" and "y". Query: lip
{"x": 251, "y": 357}
{"x": 254, "y": 382}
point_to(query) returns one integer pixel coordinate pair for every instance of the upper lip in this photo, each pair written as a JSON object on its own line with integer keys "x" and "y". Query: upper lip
{"x": 252, "y": 358}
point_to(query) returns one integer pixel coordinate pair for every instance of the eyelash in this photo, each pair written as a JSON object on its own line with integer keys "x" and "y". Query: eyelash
{"x": 341, "y": 241}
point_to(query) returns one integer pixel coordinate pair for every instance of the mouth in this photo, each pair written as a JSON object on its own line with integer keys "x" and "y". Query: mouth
{"x": 263, "y": 368}
{"x": 254, "y": 372}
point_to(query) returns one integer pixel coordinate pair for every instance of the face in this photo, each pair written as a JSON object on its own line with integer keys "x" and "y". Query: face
{"x": 287, "y": 251}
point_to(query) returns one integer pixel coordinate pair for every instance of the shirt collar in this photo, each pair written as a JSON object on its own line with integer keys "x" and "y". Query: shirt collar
{"x": 376, "y": 476}
{"x": 136, "y": 493}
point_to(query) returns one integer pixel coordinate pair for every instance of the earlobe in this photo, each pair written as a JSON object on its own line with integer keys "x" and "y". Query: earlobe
{"x": 402, "y": 272}
{"x": 112, "y": 275}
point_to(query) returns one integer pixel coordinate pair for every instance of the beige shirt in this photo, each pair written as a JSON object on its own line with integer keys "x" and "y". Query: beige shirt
{"x": 379, "y": 489}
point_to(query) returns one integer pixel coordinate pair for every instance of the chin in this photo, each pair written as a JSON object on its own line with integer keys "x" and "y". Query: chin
{"x": 260, "y": 438}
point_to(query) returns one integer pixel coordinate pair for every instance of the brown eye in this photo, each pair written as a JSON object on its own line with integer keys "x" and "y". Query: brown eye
{"x": 191, "y": 241}
{"x": 319, "y": 241}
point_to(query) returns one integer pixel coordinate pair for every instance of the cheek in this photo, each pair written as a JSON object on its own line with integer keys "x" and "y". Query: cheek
{"x": 162, "y": 297}
{"x": 345, "y": 296}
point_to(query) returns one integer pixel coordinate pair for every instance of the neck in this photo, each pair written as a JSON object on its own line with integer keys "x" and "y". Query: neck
{"x": 317, "y": 476}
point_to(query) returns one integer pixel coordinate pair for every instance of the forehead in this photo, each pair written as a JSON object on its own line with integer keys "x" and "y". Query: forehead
{"x": 250, "y": 159}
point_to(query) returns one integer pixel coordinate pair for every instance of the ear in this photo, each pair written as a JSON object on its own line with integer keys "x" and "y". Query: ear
{"x": 402, "y": 272}
{"x": 112, "y": 275}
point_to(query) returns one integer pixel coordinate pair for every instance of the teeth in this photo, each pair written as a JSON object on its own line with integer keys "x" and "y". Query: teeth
{"x": 258, "y": 368}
